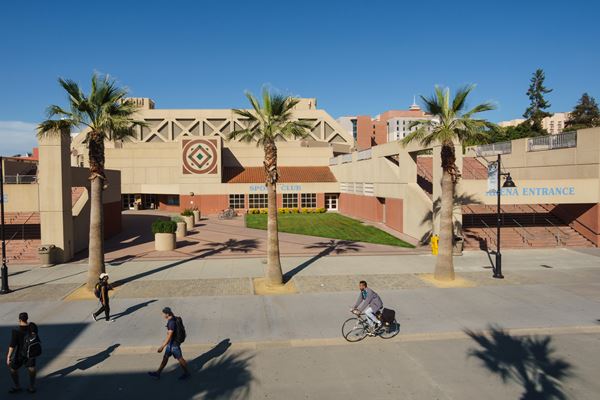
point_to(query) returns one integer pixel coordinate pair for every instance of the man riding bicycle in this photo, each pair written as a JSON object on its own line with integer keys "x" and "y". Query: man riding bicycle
{"x": 370, "y": 303}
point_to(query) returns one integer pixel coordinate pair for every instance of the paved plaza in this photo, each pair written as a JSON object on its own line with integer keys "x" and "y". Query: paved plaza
{"x": 243, "y": 345}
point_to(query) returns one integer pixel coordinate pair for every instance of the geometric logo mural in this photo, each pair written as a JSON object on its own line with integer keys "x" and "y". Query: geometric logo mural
{"x": 200, "y": 156}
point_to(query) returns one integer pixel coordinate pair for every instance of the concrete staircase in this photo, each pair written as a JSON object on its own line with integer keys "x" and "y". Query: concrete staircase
{"x": 522, "y": 226}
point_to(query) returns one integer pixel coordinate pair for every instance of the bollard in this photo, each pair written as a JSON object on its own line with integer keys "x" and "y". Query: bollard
{"x": 435, "y": 239}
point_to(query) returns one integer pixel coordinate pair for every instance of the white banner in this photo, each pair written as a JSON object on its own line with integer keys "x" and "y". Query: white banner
{"x": 492, "y": 176}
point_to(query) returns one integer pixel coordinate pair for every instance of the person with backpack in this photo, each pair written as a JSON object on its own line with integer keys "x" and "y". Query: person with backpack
{"x": 172, "y": 344}
{"x": 25, "y": 346}
{"x": 101, "y": 291}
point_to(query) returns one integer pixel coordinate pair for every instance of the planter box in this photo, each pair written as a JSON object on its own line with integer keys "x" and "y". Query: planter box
{"x": 164, "y": 241}
{"x": 189, "y": 221}
{"x": 196, "y": 215}
{"x": 181, "y": 230}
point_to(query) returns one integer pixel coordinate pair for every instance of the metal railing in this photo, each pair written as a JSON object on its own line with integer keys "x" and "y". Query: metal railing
{"x": 20, "y": 179}
{"x": 550, "y": 142}
{"x": 363, "y": 155}
{"x": 524, "y": 237}
{"x": 493, "y": 149}
{"x": 346, "y": 158}
{"x": 560, "y": 236}
{"x": 492, "y": 237}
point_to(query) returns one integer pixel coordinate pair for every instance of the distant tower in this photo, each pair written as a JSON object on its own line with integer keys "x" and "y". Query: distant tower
{"x": 414, "y": 106}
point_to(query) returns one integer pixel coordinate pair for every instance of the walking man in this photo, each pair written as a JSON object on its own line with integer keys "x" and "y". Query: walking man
{"x": 368, "y": 302}
{"x": 101, "y": 291}
{"x": 15, "y": 357}
{"x": 172, "y": 344}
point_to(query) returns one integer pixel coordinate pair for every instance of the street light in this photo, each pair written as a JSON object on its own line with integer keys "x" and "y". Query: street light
{"x": 508, "y": 183}
{"x": 4, "y": 269}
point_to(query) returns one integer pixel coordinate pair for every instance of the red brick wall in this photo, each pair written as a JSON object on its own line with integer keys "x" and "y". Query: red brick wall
{"x": 364, "y": 132}
{"x": 584, "y": 218}
{"x": 112, "y": 219}
{"x": 162, "y": 204}
{"x": 213, "y": 203}
{"x": 365, "y": 207}
{"x": 393, "y": 214}
{"x": 320, "y": 200}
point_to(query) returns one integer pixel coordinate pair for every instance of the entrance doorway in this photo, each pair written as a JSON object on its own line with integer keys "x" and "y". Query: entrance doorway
{"x": 331, "y": 201}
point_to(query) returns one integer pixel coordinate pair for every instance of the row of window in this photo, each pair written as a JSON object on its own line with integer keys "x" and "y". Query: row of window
{"x": 290, "y": 200}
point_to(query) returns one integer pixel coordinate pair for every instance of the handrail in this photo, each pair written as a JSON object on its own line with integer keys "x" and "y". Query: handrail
{"x": 560, "y": 238}
{"x": 22, "y": 229}
{"x": 491, "y": 237}
{"x": 523, "y": 237}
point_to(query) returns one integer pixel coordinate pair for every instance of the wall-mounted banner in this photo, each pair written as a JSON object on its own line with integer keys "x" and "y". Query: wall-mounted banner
{"x": 492, "y": 180}
{"x": 528, "y": 191}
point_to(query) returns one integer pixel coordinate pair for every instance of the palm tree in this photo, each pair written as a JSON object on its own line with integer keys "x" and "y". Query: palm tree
{"x": 264, "y": 125}
{"x": 450, "y": 124}
{"x": 107, "y": 115}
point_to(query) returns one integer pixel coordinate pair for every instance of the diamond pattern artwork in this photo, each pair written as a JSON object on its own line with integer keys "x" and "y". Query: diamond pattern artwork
{"x": 199, "y": 156}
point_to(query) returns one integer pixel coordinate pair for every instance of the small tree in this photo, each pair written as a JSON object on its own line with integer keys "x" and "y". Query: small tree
{"x": 107, "y": 115}
{"x": 537, "y": 103}
{"x": 451, "y": 124}
{"x": 584, "y": 115}
{"x": 266, "y": 123}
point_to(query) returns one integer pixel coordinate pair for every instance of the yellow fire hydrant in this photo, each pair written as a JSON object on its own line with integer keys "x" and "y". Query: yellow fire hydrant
{"x": 435, "y": 239}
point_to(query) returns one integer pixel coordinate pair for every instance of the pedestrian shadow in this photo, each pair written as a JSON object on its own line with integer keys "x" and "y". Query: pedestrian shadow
{"x": 327, "y": 248}
{"x": 215, "y": 352}
{"x": 214, "y": 248}
{"x": 132, "y": 309}
{"x": 86, "y": 362}
{"x": 528, "y": 361}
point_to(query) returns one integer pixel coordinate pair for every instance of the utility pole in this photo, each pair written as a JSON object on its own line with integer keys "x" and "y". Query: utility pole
{"x": 4, "y": 288}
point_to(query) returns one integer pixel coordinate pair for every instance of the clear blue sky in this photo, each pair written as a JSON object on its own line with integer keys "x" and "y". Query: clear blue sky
{"x": 355, "y": 57}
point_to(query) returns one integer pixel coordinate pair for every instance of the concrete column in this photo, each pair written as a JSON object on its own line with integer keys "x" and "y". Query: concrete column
{"x": 54, "y": 176}
{"x": 437, "y": 187}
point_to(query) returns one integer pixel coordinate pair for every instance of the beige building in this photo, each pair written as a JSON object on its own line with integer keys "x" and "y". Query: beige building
{"x": 553, "y": 124}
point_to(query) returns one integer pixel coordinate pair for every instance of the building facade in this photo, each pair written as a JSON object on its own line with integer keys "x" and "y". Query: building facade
{"x": 553, "y": 125}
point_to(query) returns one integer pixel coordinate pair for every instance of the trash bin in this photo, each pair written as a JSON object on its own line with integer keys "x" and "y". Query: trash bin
{"x": 46, "y": 253}
{"x": 459, "y": 243}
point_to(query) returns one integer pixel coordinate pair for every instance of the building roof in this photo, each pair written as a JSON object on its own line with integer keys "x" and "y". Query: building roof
{"x": 286, "y": 174}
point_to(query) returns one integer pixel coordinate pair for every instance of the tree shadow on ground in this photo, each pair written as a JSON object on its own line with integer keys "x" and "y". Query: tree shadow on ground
{"x": 86, "y": 362}
{"x": 214, "y": 248}
{"x": 527, "y": 360}
{"x": 328, "y": 247}
{"x": 132, "y": 309}
{"x": 216, "y": 374}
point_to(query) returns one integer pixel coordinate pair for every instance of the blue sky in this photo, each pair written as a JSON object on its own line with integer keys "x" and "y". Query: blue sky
{"x": 355, "y": 57}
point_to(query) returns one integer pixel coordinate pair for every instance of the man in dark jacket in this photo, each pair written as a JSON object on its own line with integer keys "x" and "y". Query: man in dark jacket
{"x": 104, "y": 287}
{"x": 14, "y": 357}
{"x": 368, "y": 302}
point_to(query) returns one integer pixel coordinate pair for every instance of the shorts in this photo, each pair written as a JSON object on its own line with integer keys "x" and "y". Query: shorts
{"x": 173, "y": 350}
{"x": 18, "y": 363}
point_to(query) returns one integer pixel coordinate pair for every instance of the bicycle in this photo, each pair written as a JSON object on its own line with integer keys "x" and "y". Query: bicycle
{"x": 357, "y": 328}
{"x": 228, "y": 213}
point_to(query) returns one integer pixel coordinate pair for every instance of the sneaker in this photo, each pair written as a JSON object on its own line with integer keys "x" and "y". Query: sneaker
{"x": 15, "y": 390}
{"x": 184, "y": 377}
{"x": 154, "y": 375}
{"x": 94, "y": 316}
{"x": 110, "y": 320}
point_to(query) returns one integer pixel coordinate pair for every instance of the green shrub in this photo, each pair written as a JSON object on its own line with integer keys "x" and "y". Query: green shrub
{"x": 294, "y": 210}
{"x": 264, "y": 210}
{"x": 188, "y": 212}
{"x": 162, "y": 226}
{"x": 321, "y": 210}
{"x": 176, "y": 218}
{"x": 304, "y": 211}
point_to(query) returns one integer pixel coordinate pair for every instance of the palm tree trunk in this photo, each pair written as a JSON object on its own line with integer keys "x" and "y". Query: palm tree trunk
{"x": 96, "y": 244}
{"x": 274, "y": 273}
{"x": 444, "y": 266}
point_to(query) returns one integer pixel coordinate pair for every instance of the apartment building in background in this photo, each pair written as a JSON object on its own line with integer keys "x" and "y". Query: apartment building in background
{"x": 553, "y": 125}
{"x": 387, "y": 127}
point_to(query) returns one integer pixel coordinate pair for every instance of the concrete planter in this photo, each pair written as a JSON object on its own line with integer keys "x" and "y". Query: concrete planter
{"x": 189, "y": 221}
{"x": 164, "y": 241}
{"x": 196, "y": 216}
{"x": 181, "y": 230}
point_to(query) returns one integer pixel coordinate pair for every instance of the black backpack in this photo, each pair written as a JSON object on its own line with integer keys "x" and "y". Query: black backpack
{"x": 97, "y": 289}
{"x": 388, "y": 315}
{"x": 32, "y": 346}
{"x": 179, "y": 330}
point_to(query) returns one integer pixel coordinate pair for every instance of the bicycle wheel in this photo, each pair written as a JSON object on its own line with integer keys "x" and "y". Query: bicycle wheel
{"x": 390, "y": 331}
{"x": 354, "y": 330}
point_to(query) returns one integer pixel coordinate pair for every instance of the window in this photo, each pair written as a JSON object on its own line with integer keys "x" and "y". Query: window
{"x": 257, "y": 200}
{"x": 128, "y": 200}
{"x": 309, "y": 200}
{"x": 290, "y": 200}
{"x": 173, "y": 200}
{"x": 236, "y": 201}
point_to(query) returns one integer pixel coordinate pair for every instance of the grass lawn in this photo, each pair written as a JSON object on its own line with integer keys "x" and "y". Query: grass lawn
{"x": 328, "y": 225}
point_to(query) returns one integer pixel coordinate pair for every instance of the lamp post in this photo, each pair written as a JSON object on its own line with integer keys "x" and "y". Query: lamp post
{"x": 507, "y": 183}
{"x": 4, "y": 269}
